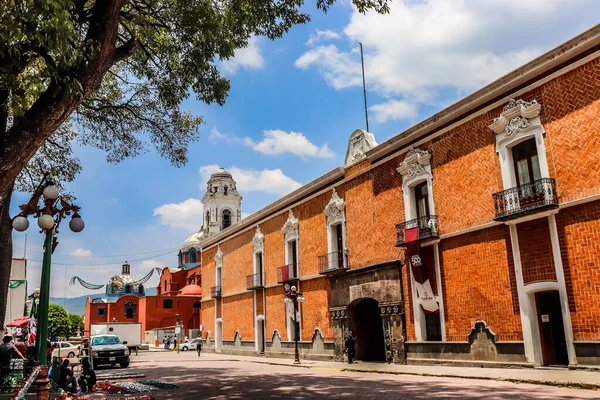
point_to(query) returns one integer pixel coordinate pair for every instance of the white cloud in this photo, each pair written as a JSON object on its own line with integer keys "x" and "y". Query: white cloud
{"x": 186, "y": 215}
{"x": 251, "y": 180}
{"x": 277, "y": 142}
{"x": 322, "y": 35}
{"x": 249, "y": 57}
{"x": 340, "y": 69}
{"x": 81, "y": 253}
{"x": 394, "y": 110}
{"x": 425, "y": 50}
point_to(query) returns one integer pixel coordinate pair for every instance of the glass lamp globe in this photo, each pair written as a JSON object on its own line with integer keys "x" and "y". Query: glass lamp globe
{"x": 76, "y": 224}
{"x": 28, "y": 302}
{"x": 293, "y": 288}
{"x": 51, "y": 192}
{"x": 37, "y": 301}
{"x": 45, "y": 221}
{"x": 20, "y": 223}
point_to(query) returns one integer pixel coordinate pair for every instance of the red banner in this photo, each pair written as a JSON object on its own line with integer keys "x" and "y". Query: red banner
{"x": 419, "y": 272}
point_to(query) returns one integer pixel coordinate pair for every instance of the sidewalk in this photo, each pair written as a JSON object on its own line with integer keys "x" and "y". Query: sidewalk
{"x": 546, "y": 376}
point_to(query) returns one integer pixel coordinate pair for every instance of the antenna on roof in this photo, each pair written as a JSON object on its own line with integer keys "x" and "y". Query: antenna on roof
{"x": 362, "y": 61}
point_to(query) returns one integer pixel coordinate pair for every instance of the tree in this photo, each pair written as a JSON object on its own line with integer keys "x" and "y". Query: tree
{"x": 122, "y": 69}
{"x": 58, "y": 321}
{"x": 75, "y": 321}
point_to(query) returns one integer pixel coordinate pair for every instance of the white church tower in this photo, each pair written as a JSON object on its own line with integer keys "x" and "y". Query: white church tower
{"x": 222, "y": 202}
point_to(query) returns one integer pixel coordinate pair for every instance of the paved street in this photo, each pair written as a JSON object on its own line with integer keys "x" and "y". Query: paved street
{"x": 214, "y": 376}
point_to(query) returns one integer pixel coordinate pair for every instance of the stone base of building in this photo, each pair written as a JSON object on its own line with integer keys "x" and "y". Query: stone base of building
{"x": 587, "y": 353}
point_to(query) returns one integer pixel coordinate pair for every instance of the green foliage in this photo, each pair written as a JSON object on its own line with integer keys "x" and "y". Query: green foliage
{"x": 58, "y": 321}
{"x": 74, "y": 322}
{"x": 128, "y": 95}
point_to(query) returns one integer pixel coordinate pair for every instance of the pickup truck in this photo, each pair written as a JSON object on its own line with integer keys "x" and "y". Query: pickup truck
{"x": 108, "y": 349}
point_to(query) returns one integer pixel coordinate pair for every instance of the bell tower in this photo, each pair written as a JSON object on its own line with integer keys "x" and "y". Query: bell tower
{"x": 222, "y": 202}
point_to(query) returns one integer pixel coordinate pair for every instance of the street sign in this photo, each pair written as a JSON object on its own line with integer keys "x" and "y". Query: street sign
{"x": 177, "y": 330}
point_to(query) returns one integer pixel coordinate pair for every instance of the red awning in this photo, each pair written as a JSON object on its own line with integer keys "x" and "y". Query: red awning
{"x": 18, "y": 322}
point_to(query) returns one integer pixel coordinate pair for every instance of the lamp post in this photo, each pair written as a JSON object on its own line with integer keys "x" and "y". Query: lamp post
{"x": 53, "y": 209}
{"x": 177, "y": 332}
{"x": 292, "y": 295}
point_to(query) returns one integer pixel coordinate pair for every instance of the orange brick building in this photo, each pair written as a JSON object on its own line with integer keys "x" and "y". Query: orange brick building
{"x": 157, "y": 314}
{"x": 472, "y": 236}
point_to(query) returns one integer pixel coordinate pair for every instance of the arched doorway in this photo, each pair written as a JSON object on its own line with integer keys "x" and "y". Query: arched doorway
{"x": 365, "y": 322}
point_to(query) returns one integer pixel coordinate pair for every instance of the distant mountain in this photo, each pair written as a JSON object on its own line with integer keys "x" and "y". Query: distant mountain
{"x": 76, "y": 305}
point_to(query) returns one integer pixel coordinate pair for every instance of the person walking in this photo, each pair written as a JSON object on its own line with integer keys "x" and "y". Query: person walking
{"x": 87, "y": 379}
{"x": 350, "y": 347}
{"x": 199, "y": 346}
{"x": 168, "y": 342}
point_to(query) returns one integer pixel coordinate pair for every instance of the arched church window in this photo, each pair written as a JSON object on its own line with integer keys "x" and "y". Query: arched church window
{"x": 226, "y": 218}
{"x": 165, "y": 286}
{"x": 207, "y": 217}
{"x": 168, "y": 303}
{"x": 225, "y": 190}
{"x": 193, "y": 256}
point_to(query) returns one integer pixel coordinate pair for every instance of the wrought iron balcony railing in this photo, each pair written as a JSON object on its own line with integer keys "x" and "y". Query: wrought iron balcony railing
{"x": 428, "y": 229}
{"x": 287, "y": 273}
{"x": 215, "y": 292}
{"x": 255, "y": 281}
{"x": 525, "y": 199}
{"x": 333, "y": 262}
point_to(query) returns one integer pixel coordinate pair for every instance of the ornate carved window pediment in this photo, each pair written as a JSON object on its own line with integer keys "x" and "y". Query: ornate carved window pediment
{"x": 258, "y": 241}
{"x": 290, "y": 228}
{"x": 334, "y": 211}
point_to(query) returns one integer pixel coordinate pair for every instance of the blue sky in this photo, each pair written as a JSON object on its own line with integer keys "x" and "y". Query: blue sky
{"x": 292, "y": 105}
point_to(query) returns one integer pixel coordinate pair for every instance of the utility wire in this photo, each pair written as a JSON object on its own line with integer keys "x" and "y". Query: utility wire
{"x": 107, "y": 264}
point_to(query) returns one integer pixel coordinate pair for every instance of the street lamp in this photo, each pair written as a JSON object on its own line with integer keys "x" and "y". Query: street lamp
{"x": 54, "y": 208}
{"x": 293, "y": 296}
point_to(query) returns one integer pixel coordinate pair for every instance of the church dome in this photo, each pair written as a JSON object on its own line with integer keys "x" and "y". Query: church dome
{"x": 117, "y": 283}
{"x": 192, "y": 241}
{"x": 191, "y": 290}
{"x": 221, "y": 173}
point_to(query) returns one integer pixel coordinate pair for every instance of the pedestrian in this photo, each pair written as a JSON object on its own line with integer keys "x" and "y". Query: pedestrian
{"x": 349, "y": 347}
{"x": 199, "y": 346}
{"x": 168, "y": 342}
{"x": 87, "y": 379}
{"x": 8, "y": 351}
{"x": 67, "y": 381}
{"x": 164, "y": 343}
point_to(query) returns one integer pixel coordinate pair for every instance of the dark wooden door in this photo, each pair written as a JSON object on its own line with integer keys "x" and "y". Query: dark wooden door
{"x": 340, "y": 245}
{"x": 552, "y": 331}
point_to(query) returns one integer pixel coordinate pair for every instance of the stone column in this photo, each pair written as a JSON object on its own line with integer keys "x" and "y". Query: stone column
{"x": 392, "y": 317}
{"x": 340, "y": 327}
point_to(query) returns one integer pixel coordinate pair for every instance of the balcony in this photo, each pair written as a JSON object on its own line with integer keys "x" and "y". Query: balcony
{"x": 428, "y": 229}
{"x": 334, "y": 262}
{"x": 287, "y": 273}
{"x": 215, "y": 292}
{"x": 254, "y": 281}
{"x": 526, "y": 199}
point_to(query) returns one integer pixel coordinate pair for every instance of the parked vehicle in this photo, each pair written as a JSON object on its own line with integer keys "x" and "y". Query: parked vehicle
{"x": 189, "y": 344}
{"x": 130, "y": 332}
{"x": 108, "y": 349}
{"x": 65, "y": 350}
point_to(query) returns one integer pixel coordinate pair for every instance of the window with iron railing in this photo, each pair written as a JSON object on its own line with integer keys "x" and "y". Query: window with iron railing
{"x": 334, "y": 261}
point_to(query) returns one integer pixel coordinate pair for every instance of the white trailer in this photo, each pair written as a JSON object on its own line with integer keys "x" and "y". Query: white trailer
{"x": 130, "y": 332}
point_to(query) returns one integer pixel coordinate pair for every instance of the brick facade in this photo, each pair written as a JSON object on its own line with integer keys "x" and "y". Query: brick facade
{"x": 479, "y": 274}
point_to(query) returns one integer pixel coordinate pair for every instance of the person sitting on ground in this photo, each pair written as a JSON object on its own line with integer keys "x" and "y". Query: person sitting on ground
{"x": 67, "y": 381}
{"x": 87, "y": 379}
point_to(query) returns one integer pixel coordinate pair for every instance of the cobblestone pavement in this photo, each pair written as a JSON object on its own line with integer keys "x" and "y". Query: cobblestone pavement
{"x": 216, "y": 376}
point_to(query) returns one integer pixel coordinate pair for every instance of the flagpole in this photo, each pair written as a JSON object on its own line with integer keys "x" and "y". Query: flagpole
{"x": 362, "y": 61}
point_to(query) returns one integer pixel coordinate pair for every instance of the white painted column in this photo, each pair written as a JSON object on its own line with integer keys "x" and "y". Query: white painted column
{"x": 532, "y": 351}
{"x": 438, "y": 280}
{"x": 562, "y": 289}
{"x": 418, "y": 313}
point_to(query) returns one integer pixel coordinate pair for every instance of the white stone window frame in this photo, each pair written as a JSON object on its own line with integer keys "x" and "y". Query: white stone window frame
{"x": 519, "y": 122}
{"x": 258, "y": 248}
{"x": 291, "y": 232}
{"x": 335, "y": 214}
{"x": 219, "y": 268}
{"x": 416, "y": 169}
